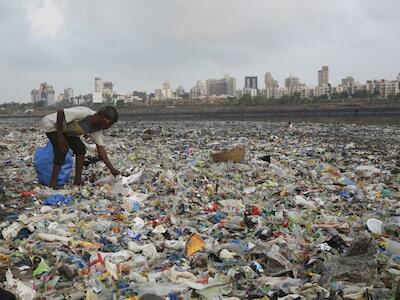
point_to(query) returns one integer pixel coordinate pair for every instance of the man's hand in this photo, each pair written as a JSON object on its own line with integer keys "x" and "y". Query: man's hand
{"x": 104, "y": 157}
{"x": 62, "y": 142}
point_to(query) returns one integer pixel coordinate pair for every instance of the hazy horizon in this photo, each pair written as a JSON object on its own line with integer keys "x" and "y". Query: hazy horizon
{"x": 139, "y": 44}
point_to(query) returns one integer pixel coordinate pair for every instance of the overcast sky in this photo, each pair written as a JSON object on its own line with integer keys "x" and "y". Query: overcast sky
{"x": 137, "y": 44}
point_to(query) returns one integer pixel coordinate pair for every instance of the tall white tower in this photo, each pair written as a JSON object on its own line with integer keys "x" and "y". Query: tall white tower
{"x": 98, "y": 85}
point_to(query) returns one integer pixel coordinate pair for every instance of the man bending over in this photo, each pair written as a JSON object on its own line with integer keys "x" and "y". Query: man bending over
{"x": 63, "y": 129}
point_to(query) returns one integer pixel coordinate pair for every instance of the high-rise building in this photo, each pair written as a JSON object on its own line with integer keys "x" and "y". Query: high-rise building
{"x": 35, "y": 96}
{"x": 51, "y": 95}
{"x": 45, "y": 96}
{"x": 166, "y": 90}
{"x": 108, "y": 87}
{"x": 292, "y": 82}
{"x": 398, "y": 77}
{"x": 323, "y": 76}
{"x": 199, "y": 90}
{"x": 320, "y": 91}
{"x": 271, "y": 93}
{"x": 230, "y": 85}
{"x": 98, "y": 85}
{"x": 166, "y": 85}
{"x": 180, "y": 91}
{"x": 68, "y": 94}
{"x": 348, "y": 81}
{"x": 158, "y": 94}
{"x": 216, "y": 87}
{"x": 270, "y": 83}
{"x": 388, "y": 88}
{"x": 251, "y": 82}
{"x": 221, "y": 87}
{"x": 43, "y": 93}
{"x": 166, "y": 93}
{"x": 250, "y": 91}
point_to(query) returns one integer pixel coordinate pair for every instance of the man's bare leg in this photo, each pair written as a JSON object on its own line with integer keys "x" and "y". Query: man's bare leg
{"x": 54, "y": 175}
{"x": 79, "y": 161}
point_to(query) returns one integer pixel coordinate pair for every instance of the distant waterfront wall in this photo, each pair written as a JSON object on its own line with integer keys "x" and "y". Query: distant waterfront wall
{"x": 328, "y": 108}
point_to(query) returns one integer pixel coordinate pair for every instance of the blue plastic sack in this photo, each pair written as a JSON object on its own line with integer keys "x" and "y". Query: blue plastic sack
{"x": 58, "y": 199}
{"x": 44, "y": 157}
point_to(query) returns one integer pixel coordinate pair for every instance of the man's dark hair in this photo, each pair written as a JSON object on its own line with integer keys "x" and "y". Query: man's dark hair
{"x": 109, "y": 112}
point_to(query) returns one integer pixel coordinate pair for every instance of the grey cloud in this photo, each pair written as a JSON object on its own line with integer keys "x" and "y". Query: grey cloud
{"x": 138, "y": 44}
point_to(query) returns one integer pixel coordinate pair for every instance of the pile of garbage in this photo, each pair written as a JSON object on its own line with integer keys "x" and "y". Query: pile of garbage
{"x": 309, "y": 212}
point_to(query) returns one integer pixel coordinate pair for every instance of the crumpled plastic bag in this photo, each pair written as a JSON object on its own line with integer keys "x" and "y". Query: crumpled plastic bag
{"x": 213, "y": 291}
{"x": 121, "y": 186}
{"x": 194, "y": 244}
{"x": 134, "y": 201}
{"x": 41, "y": 268}
{"x": 58, "y": 199}
{"x": 279, "y": 259}
{"x": 111, "y": 268}
{"x": 181, "y": 277}
{"x": 148, "y": 250}
{"x": 280, "y": 282}
{"x": 22, "y": 291}
{"x": 11, "y": 231}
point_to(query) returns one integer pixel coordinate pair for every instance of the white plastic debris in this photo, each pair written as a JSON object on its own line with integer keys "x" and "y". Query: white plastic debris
{"x": 159, "y": 229}
{"x": 53, "y": 238}
{"x": 300, "y": 200}
{"x": 226, "y": 254}
{"x": 111, "y": 268}
{"x": 22, "y": 291}
{"x": 375, "y": 226}
{"x": 148, "y": 250}
{"x": 368, "y": 171}
{"x": 11, "y": 231}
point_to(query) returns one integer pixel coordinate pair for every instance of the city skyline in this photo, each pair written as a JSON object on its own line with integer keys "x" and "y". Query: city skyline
{"x": 288, "y": 82}
{"x": 260, "y": 86}
{"x": 226, "y": 88}
{"x": 137, "y": 44}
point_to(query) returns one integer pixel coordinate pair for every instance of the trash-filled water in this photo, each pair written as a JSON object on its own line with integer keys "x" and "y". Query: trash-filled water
{"x": 310, "y": 212}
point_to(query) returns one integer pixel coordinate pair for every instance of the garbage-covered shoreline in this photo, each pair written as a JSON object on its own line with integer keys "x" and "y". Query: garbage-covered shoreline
{"x": 312, "y": 212}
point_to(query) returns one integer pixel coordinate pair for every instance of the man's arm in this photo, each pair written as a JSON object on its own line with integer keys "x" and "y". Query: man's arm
{"x": 104, "y": 157}
{"x": 62, "y": 141}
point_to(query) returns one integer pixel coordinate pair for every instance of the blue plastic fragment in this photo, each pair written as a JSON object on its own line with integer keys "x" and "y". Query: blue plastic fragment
{"x": 347, "y": 181}
{"x": 132, "y": 235}
{"x": 122, "y": 285}
{"x": 172, "y": 296}
{"x": 78, "y": 261}
{"x": 257, "y": 266}
{"x": 176, "y": 256}
{"x": 243, "y": 245}
{"x": 344, "y": 194}
{"x": 217, "y": 217}
{"x": 58, "y": 199}
{"x": 179, "y": 231}
{"x": 135, "y": 206}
